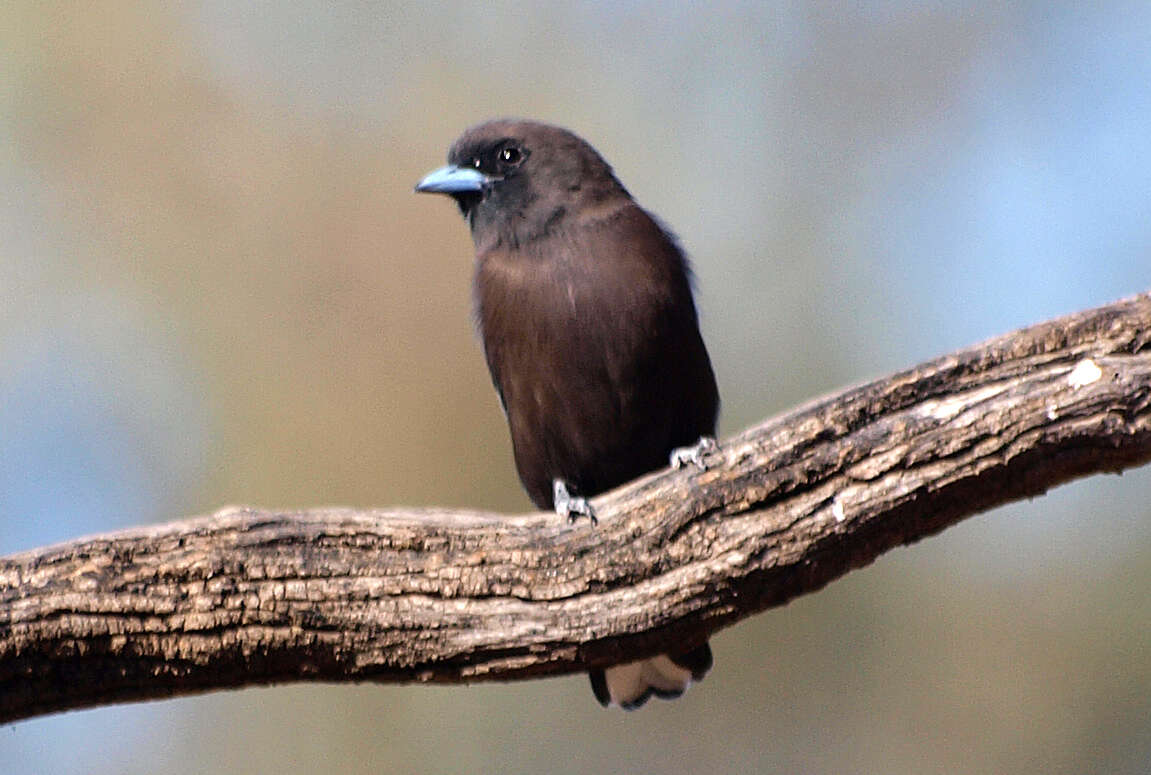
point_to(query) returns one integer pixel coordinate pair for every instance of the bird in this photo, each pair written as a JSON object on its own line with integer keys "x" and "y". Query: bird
{"x": 584, "y": 303}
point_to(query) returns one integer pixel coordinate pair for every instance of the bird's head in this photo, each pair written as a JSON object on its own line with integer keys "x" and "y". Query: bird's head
{"x": 517, "y": 180}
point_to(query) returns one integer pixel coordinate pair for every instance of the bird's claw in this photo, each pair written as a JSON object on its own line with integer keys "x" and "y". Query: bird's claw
{"x": 695, "y": 454}
{"x": 570, "y": 506}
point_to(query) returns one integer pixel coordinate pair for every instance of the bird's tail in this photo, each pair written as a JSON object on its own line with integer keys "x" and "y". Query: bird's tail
{"x": 666, "y": 676}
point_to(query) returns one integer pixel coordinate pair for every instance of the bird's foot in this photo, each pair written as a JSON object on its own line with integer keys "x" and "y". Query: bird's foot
{"x": 570, "y": 506}
{"x": 695, "y": 454}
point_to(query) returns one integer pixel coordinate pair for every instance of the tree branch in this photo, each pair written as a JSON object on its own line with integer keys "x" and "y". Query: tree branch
{"x": 248, "y": 596}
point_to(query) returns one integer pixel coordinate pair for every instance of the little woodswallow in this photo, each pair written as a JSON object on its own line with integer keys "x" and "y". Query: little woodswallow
{"x": 584, "y": 303}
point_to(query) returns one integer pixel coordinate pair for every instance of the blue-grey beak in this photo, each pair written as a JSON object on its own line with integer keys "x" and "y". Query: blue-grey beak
{"x": 452, "y": 180}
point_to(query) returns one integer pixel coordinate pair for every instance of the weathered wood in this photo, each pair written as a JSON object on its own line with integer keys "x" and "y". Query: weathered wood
{"x": 248, "y": 596}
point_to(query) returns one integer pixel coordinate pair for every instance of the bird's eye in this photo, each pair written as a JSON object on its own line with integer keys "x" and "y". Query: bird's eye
{"x": 476, "y": 162}
{"x": 511, "y": 155}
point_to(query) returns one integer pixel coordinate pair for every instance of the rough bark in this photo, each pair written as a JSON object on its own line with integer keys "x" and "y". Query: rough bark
{"x": 249, "y": 596}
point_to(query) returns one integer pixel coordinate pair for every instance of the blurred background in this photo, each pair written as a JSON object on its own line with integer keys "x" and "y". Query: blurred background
{"x": 217, "y": 287}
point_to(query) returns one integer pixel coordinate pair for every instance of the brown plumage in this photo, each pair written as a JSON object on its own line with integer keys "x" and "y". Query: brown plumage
{"x": 590, "y": 332}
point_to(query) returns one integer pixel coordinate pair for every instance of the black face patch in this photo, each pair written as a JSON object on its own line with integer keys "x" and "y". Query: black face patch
{"x": 495, "y": 158}
{"x": 501, "y": 160}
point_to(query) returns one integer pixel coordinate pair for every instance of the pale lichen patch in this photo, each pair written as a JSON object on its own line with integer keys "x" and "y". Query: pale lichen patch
{"x": 1084, "y": 373}
{"x": 943, "y": 409}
